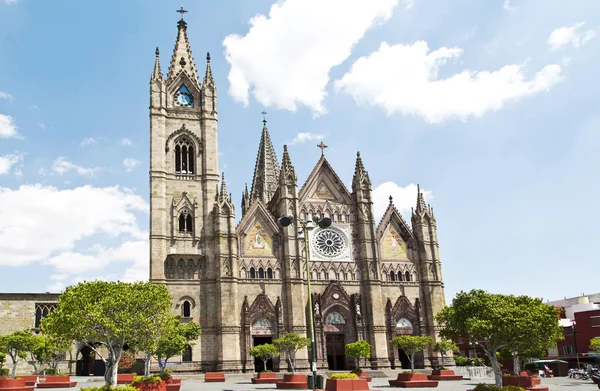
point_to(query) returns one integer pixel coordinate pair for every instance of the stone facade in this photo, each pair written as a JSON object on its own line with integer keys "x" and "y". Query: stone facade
{"x": 246, "y": 284}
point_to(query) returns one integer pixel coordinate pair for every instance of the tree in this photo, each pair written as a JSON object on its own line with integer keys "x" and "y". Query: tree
{"x": 108, "y": 314}
{"x": 289, "y": 344}
{"x": 496, "y": 322}
{"x": 265, "y": 352}
{"x": 3, "y": 372}
{"x": 45, "y": 352}
{"x": 411, "y": 344}
{"x": 595, "y": 344}
{"x": 443, "y": 347}
{"x": 357, "y": 350}
{"x": 16, "y": 345}
{"x": 171, "y": 340}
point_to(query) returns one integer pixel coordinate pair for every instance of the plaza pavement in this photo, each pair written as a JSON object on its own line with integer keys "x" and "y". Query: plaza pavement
{"x": 242, "y": 382}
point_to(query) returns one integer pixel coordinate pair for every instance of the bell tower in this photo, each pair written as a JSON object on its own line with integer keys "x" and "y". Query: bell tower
{"x": 184, "y": 174}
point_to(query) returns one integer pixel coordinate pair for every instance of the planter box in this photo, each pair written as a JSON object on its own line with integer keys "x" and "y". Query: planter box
{"x": 213, "y": 377}
{"x": 266, "y": 378}
{"x": 57, "y": 382}
{"x": 413, "y": 380}
{"x": 125, "y": 378}
{"x": 148, "y": 386}
{"x": 363, "y": 375}
{"x": 347, "y": 385}
{"x": 295, "y": 382}
{"x": 172, "y": 384}
{"x": 30, "y": 380}
{"x": 444, "y": 374}
{"x": 518, "y": 381}
{"x": 14, "y": 385}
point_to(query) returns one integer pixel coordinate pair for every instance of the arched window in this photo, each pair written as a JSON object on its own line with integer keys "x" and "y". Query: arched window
{"x": 252, "y": 272}
{"x": 181, "y": 223}
{"x": 399, "y": 276}
{"x": 188, "y": 223}
{"x": 187, "y": 309}
{"x": 181, "y": 269}
{"x": 261, "y": 272}
{"x": 184, "y": 156}
{"x": 334, "y": 317}
{"x": 269, "y": 273}
{"x": 407, "y": 276}
{"x": 392, "y": 276}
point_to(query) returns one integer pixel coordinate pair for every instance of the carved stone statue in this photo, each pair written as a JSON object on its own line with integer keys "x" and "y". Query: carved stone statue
{"x": 317, "y": 313}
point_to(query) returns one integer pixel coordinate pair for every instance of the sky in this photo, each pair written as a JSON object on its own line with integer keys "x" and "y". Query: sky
{"x": 491, "y": 106}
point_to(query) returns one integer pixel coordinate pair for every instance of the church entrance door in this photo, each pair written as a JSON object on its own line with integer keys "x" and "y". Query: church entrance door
{"x": 258, "y": 363}
{"x": 403, "y": 358}
{"x": 87, "y": 365}
{"x": 336, "y": 353}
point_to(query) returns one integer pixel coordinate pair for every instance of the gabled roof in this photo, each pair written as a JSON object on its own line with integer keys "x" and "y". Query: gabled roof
{"x": 257, "y": 211}
{"x": 323, "y": 167}
{"x": 392, "y": 215}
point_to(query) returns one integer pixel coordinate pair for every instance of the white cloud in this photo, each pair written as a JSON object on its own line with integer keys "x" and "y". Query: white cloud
{"x": 130, "y": 164}
{"x": 404, "y": 198}
{"x": 301, "y": 138}
{"x": 561, "y": 37}
{"x": 86, "y": 142}
{"x": 7, "y": 161}
{"x": 44, "y": 224}
{"x": 5, "y": 95}
{"x": 61, "y": 166}
{"x": 408, "y": 4}
{"x": 508, "y": 6}
{"x": 285, "y": 58}
{"x": 7, "y": 127}
{"x": 42, "y": 126}
{"x": 11, "y": 2}
{"x": 404, "y": 79}
{"x": 126, "y": 141}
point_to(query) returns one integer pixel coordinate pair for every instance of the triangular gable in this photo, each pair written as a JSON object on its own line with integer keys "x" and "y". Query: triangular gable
{"x": 323, "y": 177}
{"x": 257, "y": 230}
{"x": 182, "y": 77}
{"x": 393, "y": 219}
{"x": 184, "y": 202}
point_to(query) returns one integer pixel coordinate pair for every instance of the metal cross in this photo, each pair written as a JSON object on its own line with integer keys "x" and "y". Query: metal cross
{"x": 181, "y": 11}
{"x": 264, "y": 113}
{"x": 322, "y": 146}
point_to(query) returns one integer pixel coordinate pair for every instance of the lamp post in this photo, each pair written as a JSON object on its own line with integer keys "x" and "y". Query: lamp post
{"x": 574, "y": 328}
{"x": 302, "y": 233}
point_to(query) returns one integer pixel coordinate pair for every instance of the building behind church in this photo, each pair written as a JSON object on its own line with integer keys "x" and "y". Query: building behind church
{"x": 246, "y": 283}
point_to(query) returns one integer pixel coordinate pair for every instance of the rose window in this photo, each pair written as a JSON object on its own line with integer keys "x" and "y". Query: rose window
{"x": 329, "y": 242}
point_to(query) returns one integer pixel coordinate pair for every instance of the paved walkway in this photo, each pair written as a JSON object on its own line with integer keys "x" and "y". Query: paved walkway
{"x": 241, "y": 382}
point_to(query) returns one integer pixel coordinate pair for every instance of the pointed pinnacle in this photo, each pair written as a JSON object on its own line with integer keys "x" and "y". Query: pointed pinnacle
{"x": 208, "y": 76}
{"x": 421, "y": 206}
{"x": 223, "y": 193}
{"x": 391, "y": 200}
{"x": 157, "y": 73}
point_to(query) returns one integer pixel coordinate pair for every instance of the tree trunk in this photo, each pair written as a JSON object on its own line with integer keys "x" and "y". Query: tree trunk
{"x": 14, "y": 368}
{"x": 412, "y": 362}
{"x": 442, "y": 354}
{"x": 264, "y": 365}
{"x": 162, "y": 366}
{"x": 112, "y": 366}
{"x": 147, "y": 359}
{"x": 495, "y": 366}
{"x": 516, "y": 363}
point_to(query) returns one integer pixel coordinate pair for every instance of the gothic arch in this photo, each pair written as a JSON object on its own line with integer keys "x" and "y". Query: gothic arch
{"x": 184, "y": 132}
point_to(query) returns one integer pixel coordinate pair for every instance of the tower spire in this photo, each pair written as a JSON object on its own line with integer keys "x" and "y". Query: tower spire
{"x": 421, "y": 206}
{"x": 223, "y": 191}
{"x": 361, "y": 176}
{"x": 266, "y": 170}
{"x": 208, "y": 76}
{"x": 157, "y": 73}
{"x": 287, "y": 169}
{"x": 182, "y": 59}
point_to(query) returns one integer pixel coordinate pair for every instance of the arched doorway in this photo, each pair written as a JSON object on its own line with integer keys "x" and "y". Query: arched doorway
{"x": 404, "y": 327}
{"x": 335, "y": 340}
{"x": 87, "y": 365}
{"x": 262, "y": 333}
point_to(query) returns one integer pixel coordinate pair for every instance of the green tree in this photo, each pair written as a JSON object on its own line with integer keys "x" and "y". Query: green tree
{"x": 595, "y": 344}
{"x": 289, "y": 344}
{"x": 265, "y": 352}
{"x": 3, "y": 371}
{"x": 411, "y": 344}
{"x": 496, "y": 322}
{"x": 45, "y": 352}
{"x": 443, "y": 347}
{"x": 17, "y": 346}
{"x": 108, "y": 314}
{"x": 359, "y": 349}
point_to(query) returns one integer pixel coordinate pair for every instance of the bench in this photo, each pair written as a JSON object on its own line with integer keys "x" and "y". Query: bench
{"x": 14, "y": 385}
{"x": 413, "y": 380}
{"x": 214, "y": 377}
{"x": 57, "y": 382}
{"x": 30, "y": 380}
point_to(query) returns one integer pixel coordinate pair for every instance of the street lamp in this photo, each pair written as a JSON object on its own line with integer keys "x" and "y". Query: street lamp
{"x": 574, "y": 328}
{"x": 302, "y": 233}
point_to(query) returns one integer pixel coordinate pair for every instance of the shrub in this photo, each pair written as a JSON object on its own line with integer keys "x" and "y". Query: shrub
{"x": 144, "y": 379}
{"x": 487, "y": 387}
{"x": 109, "y": 388}
{"x": 460, "y": 361}
{"x": 343, "y": 376}
{"x": 512, "y": 388}
{"x": 127, "y": 360}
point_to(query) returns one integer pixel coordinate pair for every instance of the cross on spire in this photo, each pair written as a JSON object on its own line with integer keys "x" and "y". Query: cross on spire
{"x": 181, "y": 11}
{"x": 264, "y": 113}
{"x": 322, "y": 146}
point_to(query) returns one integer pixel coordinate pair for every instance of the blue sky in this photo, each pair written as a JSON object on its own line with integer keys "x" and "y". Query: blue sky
{"x": 491, "y": 106}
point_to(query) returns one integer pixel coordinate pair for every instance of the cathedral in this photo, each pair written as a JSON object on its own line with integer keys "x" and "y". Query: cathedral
{"x": 247, "y": 283}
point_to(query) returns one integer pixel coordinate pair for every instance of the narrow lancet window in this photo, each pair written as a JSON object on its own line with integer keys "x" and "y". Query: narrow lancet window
{"x": 187, "y": 309}
{"x": 181, "y": 223}
{"x": 407, "y": 276}
{"x": 269, "y": 273}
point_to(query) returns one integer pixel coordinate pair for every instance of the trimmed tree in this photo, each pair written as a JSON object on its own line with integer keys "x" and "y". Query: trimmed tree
{"x": 45, "y": 353}
{"x": 595, "y": 344}
{"x": 359, "y": 349}
{"x": 3, "y": 371}
{"x": 289, "y": 345}
{"x": 17, "y": 345}
{"x": 265, "y": 352}
{"x": 443, "y": 347}
{"x": 497, "y": 322}
{"x": 108, "y": 314}
{"x": 411, "y": 344}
